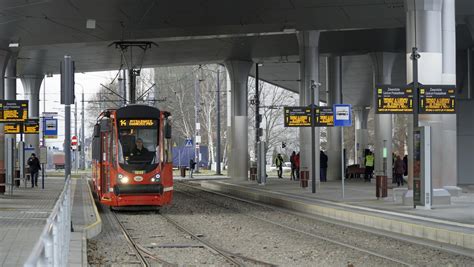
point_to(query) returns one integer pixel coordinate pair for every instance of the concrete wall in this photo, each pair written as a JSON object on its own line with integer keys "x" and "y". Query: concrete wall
{"x": 465, "y": 137}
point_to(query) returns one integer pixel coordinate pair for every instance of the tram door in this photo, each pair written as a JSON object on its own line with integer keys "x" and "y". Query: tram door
{"x": 103, "y": 162}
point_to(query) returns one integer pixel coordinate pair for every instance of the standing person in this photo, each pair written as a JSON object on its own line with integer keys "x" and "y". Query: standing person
{"x": 192, "y": 165}
{"x": 323, "y": 163}
{"x": 399, "y": 170}
{"x": 297, "y": 162}
{"x": 35, "y": 166}
{"x": 405, "y": 160}
{"x": 369, "y": 166}
{"x": 279, "y": 165}
{"x": 293, "y": 165}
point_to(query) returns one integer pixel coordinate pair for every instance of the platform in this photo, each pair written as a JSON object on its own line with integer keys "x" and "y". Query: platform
{"x": 449, "y": 224}
{"x": 22, "y": 218}
{"x": 86, "y": 221}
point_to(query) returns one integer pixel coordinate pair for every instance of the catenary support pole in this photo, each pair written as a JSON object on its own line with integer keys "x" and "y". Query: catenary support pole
{"x": 218, "y": 133}
{"x": 68, "y": 84}
{"x": 83, "y": 153}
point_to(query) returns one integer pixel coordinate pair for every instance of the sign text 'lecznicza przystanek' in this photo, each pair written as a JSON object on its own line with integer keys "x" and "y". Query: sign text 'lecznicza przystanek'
{"x": 437, "y": 99}
{"x": 394, "y": 99}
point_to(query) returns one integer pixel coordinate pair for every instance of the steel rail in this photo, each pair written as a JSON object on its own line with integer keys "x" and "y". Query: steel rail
{"x": 375, "y": 254}
{"x": 207, "y": 244}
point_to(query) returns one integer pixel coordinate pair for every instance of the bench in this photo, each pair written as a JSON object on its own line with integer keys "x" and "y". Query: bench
{"x": 354, "y": 171}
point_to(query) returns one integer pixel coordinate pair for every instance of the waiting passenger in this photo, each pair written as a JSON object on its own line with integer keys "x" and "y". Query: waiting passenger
{"x": 399, "y": 170}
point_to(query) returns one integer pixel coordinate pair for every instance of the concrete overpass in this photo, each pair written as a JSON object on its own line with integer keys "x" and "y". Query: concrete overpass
{"x": 297, "y": 40}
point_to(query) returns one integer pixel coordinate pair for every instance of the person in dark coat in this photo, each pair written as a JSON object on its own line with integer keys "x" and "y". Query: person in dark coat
{"x": 293, "y": 165}
{"x": 399, "y": 169}
{"x": 35, "y": 166}
{"x": 279, "y": 165}
{"x": 297, "y": 162}
{"x": 323, "y": 163}
{"x": 192, "y": 166}
{"x": 405, "y": 160}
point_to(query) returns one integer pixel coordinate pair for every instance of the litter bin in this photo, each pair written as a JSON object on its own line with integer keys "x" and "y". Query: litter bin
{"x": 17, "y": 178}
{"x": 253, "y": 173}
{"x": 183, "y": 171}
{"x": 380, "y": 186}
{"x": 304, "y": 176}
{"x": 2, "y": 183}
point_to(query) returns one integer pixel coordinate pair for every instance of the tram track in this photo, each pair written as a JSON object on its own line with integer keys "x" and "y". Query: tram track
{"x": 142, "y": 253}
{"x": 229, "y": 256}
{"x": 293, "y": 229}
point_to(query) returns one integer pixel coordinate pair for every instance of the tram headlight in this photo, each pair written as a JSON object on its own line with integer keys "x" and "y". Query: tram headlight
{"x": 122, "y": 179}
{"x": 156, "y": 178}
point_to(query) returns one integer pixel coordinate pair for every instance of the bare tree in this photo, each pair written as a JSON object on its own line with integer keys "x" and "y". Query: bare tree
{"x": 272, "y": 101}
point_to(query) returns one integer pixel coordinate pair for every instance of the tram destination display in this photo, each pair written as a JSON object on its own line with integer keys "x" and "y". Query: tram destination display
{"x": 13, "y": 110}
{"x": 394, "y": 99}
{"x": 138, "y": 123}
{"x": 324, "y": 117}
{"x": 437, "y": 99}
{"x": 297, "y": 116}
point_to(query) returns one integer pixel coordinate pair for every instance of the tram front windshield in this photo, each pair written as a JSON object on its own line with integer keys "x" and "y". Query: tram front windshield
{"x": 138, "y": 146}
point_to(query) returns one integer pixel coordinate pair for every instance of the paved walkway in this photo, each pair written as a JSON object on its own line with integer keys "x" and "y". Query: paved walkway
{"x": 22, "y": 218}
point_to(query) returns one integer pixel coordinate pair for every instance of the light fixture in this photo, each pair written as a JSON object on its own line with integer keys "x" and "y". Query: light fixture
{"x": 289, "y": 30}
{"x": 14, "y": 45}
{"x": 90, "y": 24}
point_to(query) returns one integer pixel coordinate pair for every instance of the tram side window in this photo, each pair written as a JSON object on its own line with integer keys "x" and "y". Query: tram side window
{"x": 138, "y": 146}
{"x": 96, "y": 148}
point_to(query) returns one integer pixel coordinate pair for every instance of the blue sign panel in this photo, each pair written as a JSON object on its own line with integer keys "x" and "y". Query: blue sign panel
{"x": 342, "y": 115}
{"x": 50, "y": 128}
{"x": 188, "y": 142}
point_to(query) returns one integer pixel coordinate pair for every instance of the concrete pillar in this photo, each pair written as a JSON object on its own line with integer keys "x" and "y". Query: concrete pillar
{"x": 431, "y": 28}
{"x": 382, "y": 64}
{"x": 10, "y": 86}
{"x": 238, "y": 72}
{"x": 4, "y": 57}
{"x": 361, "y": 115}
{"x": 32, "y": 86}
{"x": 449, "y": 174}
{"x": 309, "y": 73}
{"x": 334, "y": 133}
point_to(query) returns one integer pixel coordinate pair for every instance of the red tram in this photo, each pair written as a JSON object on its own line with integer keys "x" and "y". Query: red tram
{"x": 132, "y": 161}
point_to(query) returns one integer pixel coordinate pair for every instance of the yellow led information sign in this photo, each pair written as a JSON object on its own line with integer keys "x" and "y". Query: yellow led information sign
{"x": 31, "y": 127}
{"x": 13, "y": 110}
{"x": 394, "y": 99}
{"x": 437, "y": 99}
{"x": 137, "y": 123}
{"x": 301, "y": 117}
{"x": 12, "y": 128}
{"x": 324, "y": 117}
{"x": 297, "y": 116}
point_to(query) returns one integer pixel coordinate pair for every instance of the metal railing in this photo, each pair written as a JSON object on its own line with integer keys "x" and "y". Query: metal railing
{"x": 52, "y": 248}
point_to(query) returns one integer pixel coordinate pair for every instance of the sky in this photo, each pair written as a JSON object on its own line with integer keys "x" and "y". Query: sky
{"x": 89, "y": 82}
